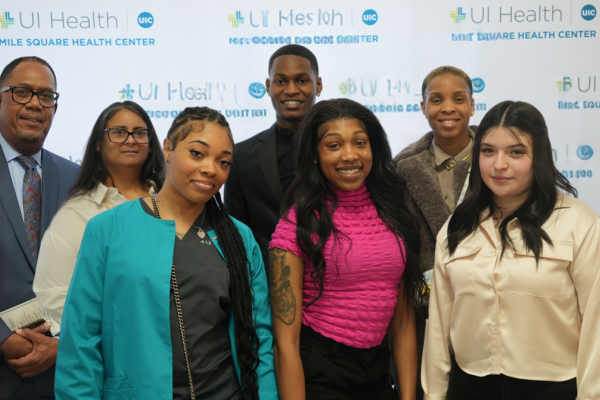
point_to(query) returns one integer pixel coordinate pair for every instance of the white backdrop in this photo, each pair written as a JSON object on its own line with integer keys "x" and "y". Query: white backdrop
{"x": 170, "y": 55}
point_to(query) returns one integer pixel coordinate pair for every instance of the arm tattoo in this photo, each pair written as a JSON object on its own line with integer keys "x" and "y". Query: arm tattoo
{"x": 283, "y": 300}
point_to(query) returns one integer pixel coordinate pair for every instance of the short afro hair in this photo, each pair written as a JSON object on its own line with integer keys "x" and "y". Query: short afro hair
{"x": 295, "y": 50}
{"x": 447, "y": 69}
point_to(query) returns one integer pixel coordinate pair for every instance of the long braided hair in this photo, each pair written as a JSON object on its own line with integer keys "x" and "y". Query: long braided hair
{"x": 246, "y": 340}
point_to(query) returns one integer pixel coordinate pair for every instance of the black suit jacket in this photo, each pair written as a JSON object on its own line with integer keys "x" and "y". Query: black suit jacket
{"x": 17, "y": 266}
{"x": 253, "y": 191}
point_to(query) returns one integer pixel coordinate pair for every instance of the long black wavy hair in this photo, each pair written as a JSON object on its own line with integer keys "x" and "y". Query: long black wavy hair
{"x": 520, "y": 118}
{"x": 309, "y": 190}
{"x": 193, "y": 119}
{"x": 93, "y": 168}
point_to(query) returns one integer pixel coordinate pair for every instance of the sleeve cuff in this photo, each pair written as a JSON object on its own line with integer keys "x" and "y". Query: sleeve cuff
{"x": 434, "y": 397}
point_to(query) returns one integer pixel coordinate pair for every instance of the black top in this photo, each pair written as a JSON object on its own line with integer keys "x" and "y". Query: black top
{"x": 204, "y": 291}
{"x": 285, "y": 159}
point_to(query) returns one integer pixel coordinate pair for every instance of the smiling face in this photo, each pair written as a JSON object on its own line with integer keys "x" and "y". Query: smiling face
{"x": 448, "y": 108}
{"x": 506, "y": 166}
{"x": 292, "y": 86}
{"x": 199, "y": 164}
{"x": 130, "y": 153}
{"x": 345, "y": 156}
{"x": 25, "y": 126}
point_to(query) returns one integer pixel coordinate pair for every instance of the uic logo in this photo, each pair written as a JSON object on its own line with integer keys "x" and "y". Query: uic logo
{"x": 478, "y": 85}
{"x": 458, "y": 15}
{"x": 585, "y": 152}
{"x": 236, "y": 19}
{"x": 257, "y": 90}
{"x": 588, "y": 12}
{"x": 369, "y": 17}
{"x": 6, "y": 20}
{"x": 145, "y": 19}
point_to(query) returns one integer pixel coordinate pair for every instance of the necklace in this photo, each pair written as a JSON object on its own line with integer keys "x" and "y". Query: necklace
{"x": 178, "y": 307}
{"x": 201, "y": 232}
{"x": 450, "y": 166}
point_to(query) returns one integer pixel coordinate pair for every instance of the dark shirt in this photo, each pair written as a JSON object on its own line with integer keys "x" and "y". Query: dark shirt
{"x": 204, "y": 291}
{"x": 285, "y": 159}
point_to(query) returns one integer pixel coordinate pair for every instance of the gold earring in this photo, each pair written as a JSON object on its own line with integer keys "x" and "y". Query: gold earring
{"x": 318, "y": 94}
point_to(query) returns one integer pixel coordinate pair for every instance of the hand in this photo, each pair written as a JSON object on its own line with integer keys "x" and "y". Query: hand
{"x": 16, "y": 347}
{"x": 42, "y": 357}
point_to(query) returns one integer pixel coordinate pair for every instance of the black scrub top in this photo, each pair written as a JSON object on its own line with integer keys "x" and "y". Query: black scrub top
{"x": 205, "y": 295}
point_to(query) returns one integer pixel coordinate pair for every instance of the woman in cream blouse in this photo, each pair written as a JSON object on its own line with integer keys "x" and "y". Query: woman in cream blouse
{"x": 513, "y": 311}
{"x": 123, "y": 161}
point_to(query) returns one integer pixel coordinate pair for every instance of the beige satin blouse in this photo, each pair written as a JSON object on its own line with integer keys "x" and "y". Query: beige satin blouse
{"x": 507, "y": 316}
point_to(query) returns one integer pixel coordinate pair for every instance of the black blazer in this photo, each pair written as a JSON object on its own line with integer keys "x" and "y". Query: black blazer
{"x": 17, "y": 266}
{"x": 253, "y": 191}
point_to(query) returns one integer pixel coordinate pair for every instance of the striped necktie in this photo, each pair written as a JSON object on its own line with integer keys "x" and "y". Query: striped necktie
{"x": 32, "y": 203}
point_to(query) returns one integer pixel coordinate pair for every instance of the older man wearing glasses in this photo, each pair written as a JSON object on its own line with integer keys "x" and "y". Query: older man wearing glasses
{"x": 33, "y": 184}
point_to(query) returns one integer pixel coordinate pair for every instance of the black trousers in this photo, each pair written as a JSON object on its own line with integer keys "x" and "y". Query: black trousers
{"x": 463, "y": 386}
{"x": 334, "y": 371}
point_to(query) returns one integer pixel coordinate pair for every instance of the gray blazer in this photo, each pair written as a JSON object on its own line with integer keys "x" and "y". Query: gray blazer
{"x": 17, "y": 266}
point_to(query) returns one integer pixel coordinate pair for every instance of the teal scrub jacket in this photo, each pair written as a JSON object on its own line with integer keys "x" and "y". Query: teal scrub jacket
{"x": 115, "y": 340}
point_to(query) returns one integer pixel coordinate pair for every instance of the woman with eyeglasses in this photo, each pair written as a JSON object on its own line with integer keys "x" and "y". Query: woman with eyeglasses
{"x": 123, "y": 161}
{"x": 169, "y": 298}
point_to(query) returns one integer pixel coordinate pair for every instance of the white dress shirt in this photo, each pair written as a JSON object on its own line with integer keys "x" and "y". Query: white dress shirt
{"x": 507, "y": 315}
{"x": 60, "y": 245}
{"x": 16, "y": 170}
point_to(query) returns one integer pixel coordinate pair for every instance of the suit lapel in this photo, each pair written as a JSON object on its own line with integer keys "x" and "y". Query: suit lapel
{"x": 267, "y": 158}
{"x": 9, "y": 202}
{"x": 50, "y": 190}
{"x": 424, "y": 188}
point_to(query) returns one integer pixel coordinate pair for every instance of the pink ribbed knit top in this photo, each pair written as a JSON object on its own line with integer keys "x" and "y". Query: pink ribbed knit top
{"x": 360, "y": 286}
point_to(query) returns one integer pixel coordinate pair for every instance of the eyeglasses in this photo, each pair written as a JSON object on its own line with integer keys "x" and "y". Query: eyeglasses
{"x": 23, "y": 95}
{"x": 120, "y": 135}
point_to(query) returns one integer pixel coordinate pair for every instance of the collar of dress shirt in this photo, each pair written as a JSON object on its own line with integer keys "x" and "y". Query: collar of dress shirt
{"x": 10, "y": 153}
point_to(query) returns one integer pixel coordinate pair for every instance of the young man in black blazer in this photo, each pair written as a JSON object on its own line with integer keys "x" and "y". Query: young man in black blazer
{"x": 263, "y": 168}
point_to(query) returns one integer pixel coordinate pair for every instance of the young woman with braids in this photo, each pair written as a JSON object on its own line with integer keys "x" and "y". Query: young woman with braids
{"x": 169, "y": 296}
{"x": 344, "y": 264}
{"x": 515, "y": 296}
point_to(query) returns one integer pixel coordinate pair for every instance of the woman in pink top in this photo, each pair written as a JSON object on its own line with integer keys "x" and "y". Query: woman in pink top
{"x": 344, "y": 264}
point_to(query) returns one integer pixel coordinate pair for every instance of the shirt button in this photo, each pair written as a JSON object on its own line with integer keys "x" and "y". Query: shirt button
{"x": 492, "y": 290}
{"x": 165, "y": 280}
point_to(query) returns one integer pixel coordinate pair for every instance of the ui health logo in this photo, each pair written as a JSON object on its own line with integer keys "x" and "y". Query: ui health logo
{"x": 587, "y": 12}
{"x": 236, "y": 19}
{"x": 458, "y": 15}
{"x": 478, "y": 85}
{"x": 145, "y": 19}
{"x": 369, "y": 17}
{"x": 6, "y": 20}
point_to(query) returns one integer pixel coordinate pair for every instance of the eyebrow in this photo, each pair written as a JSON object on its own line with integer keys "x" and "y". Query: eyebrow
{"x": 297, "y": 74}
{"x": 457, "y": 92}
{"x": 339, "y": 134}
{"x": 207, "y": 145}
{"x": 134, "y": 128}
{"x": 28, "y": 86}
{"x": 508, "y": 147}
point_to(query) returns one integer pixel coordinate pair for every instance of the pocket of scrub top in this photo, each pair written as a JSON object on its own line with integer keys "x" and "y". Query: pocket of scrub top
{"x": 460, "y": 269}
{"x": 119, "y": 389}
{"x": 547, "y": 279}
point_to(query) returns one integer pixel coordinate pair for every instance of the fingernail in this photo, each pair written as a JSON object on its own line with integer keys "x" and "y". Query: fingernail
{"x": 47, "y": 324}
{"x": 18, "y": 331}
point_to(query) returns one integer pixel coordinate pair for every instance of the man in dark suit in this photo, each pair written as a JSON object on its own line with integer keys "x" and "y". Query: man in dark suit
{"x": 33, "y": 184}
{"x": 263, "y": 166}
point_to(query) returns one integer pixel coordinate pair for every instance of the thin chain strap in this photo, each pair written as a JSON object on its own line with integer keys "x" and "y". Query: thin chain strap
{"x": 182, "y": 329}
{"x": 179, "y": 311}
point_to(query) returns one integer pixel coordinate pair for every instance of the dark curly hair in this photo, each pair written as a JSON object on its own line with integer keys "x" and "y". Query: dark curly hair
{"x": 309, "y": 190}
